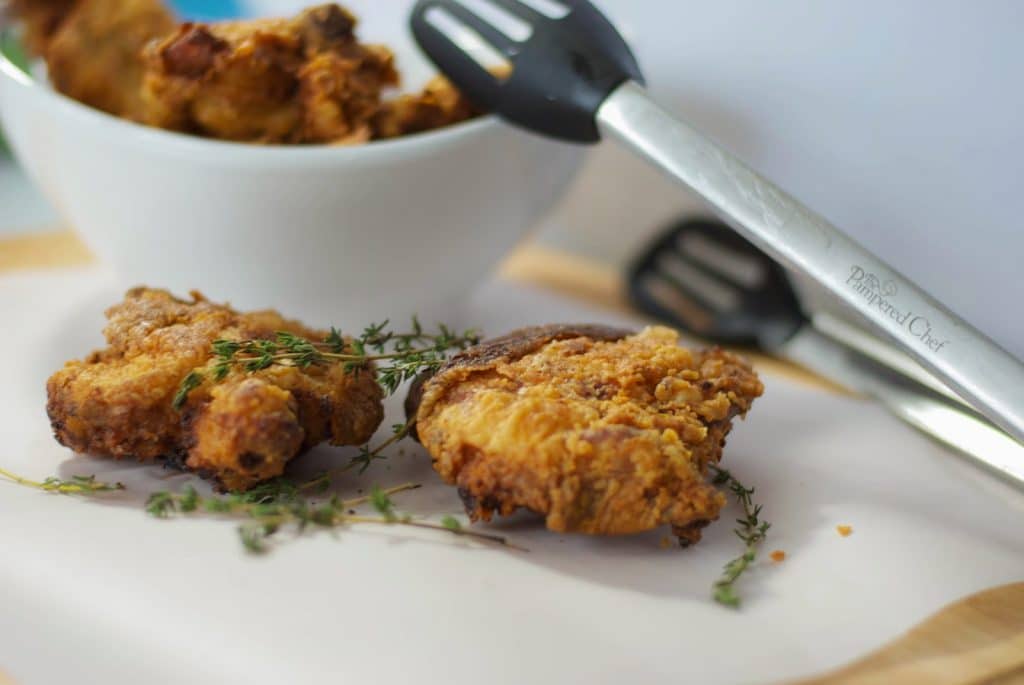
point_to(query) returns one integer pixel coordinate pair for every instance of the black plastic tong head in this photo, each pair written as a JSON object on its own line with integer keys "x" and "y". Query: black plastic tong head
{"x": 561, "y": 73}
{"x": 704, "y": 278}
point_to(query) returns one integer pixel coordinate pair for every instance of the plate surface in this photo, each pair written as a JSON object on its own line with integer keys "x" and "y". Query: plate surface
{"x": 98, "y": 587}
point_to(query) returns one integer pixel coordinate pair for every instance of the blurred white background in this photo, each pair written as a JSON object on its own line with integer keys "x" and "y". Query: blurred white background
{"x": 901, "y": 122}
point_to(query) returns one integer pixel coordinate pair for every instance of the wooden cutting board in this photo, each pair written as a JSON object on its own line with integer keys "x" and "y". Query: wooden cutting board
{"x": 978, "y": 640}
{"x": 974, "y": 641}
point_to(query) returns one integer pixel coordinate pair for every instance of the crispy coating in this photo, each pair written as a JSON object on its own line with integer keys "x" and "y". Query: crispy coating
{"x": 601, "y": 431}
{"x": 93, "y": 52}
{"x": 118, "y": 401}
{"x": 440, "y": 104}
{"x": 301, "y": 80}
{"x": 40, "y": 20}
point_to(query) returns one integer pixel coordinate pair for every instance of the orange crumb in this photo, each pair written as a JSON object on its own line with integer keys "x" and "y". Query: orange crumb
{"x": 665, "y": 542}
{"x": 778, "y": 555}
{"x": 845, "y": 531}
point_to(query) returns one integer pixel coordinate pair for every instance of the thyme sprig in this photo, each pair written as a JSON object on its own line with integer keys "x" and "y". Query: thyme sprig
{"x": 270, "y": 507}
{"x": 76, "y": 485}
{"x": 279, "y": 504}
{"x": 751, "y": 530}
{"x": 405, "y": 355}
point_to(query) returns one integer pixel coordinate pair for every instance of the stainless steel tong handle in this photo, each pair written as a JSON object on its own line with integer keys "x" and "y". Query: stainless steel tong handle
{"x": 974, "y": 366}
{"x": 931, "y": 411}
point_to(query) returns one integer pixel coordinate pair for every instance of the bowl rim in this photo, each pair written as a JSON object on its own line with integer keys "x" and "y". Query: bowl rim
{"x": 283, "y": 153}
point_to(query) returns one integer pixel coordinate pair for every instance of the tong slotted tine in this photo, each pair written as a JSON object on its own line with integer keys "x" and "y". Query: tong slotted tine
{"x": 521, "y": 10}
{"x": 492, "y": 34}
{"x": 473, "y": 77}
{"x": 766, "y": 311}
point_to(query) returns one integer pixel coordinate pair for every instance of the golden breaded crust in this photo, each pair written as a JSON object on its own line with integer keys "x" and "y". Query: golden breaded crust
{"x": 40, "y": 19}
{"x": 301, "y": 80}
{"x": 439, "y": 104}
{"x": 600, "y": 431}
{"x": 118, "y": 401}
{"x": 94, "y": 53}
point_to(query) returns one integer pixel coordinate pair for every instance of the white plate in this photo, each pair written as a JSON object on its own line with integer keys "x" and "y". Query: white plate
{"x": 100, "y": 588}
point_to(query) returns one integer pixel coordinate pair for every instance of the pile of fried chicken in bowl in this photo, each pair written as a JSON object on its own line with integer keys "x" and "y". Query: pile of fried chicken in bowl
{"x": 277, "y": 161}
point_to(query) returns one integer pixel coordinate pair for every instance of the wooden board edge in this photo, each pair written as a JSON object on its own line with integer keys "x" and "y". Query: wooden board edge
{"x": 50, "y": 249}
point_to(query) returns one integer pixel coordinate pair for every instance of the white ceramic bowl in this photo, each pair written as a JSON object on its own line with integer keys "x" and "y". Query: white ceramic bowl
{"x": 343, "y": 235}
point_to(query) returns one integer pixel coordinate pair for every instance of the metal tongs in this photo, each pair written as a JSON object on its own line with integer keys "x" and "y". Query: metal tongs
{"x": 704, "y": 278}
{"x": 574, "y": 78}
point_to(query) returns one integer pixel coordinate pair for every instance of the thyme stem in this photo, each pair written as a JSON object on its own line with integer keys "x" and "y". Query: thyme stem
{"x": 487, "y": 537}
{"x": 284, "y": 356}
{"x": 367, "y": 455}
{"x": 76, "y": 485}
{"x": 752, "y": 531}
{"x": 19, "y": 480}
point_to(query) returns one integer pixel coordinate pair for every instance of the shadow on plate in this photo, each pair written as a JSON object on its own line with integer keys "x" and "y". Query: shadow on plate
{"x": 780, "y": 451}
{"x": 650, "y": 563}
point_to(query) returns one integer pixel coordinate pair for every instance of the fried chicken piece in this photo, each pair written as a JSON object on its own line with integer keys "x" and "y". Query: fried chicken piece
{"x": 118, "y": 401}
{"x": 94, "y": 51}
{"x": 40, "y": 19}
{"x": 440, "y": 104}
{"x": 301, "y": 80}
{"x": 599, "y": 430}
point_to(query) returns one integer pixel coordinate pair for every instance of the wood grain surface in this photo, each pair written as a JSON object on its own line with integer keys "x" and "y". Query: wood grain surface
{"x": 56, "y": 249}
{"x": 978, "y": 640}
